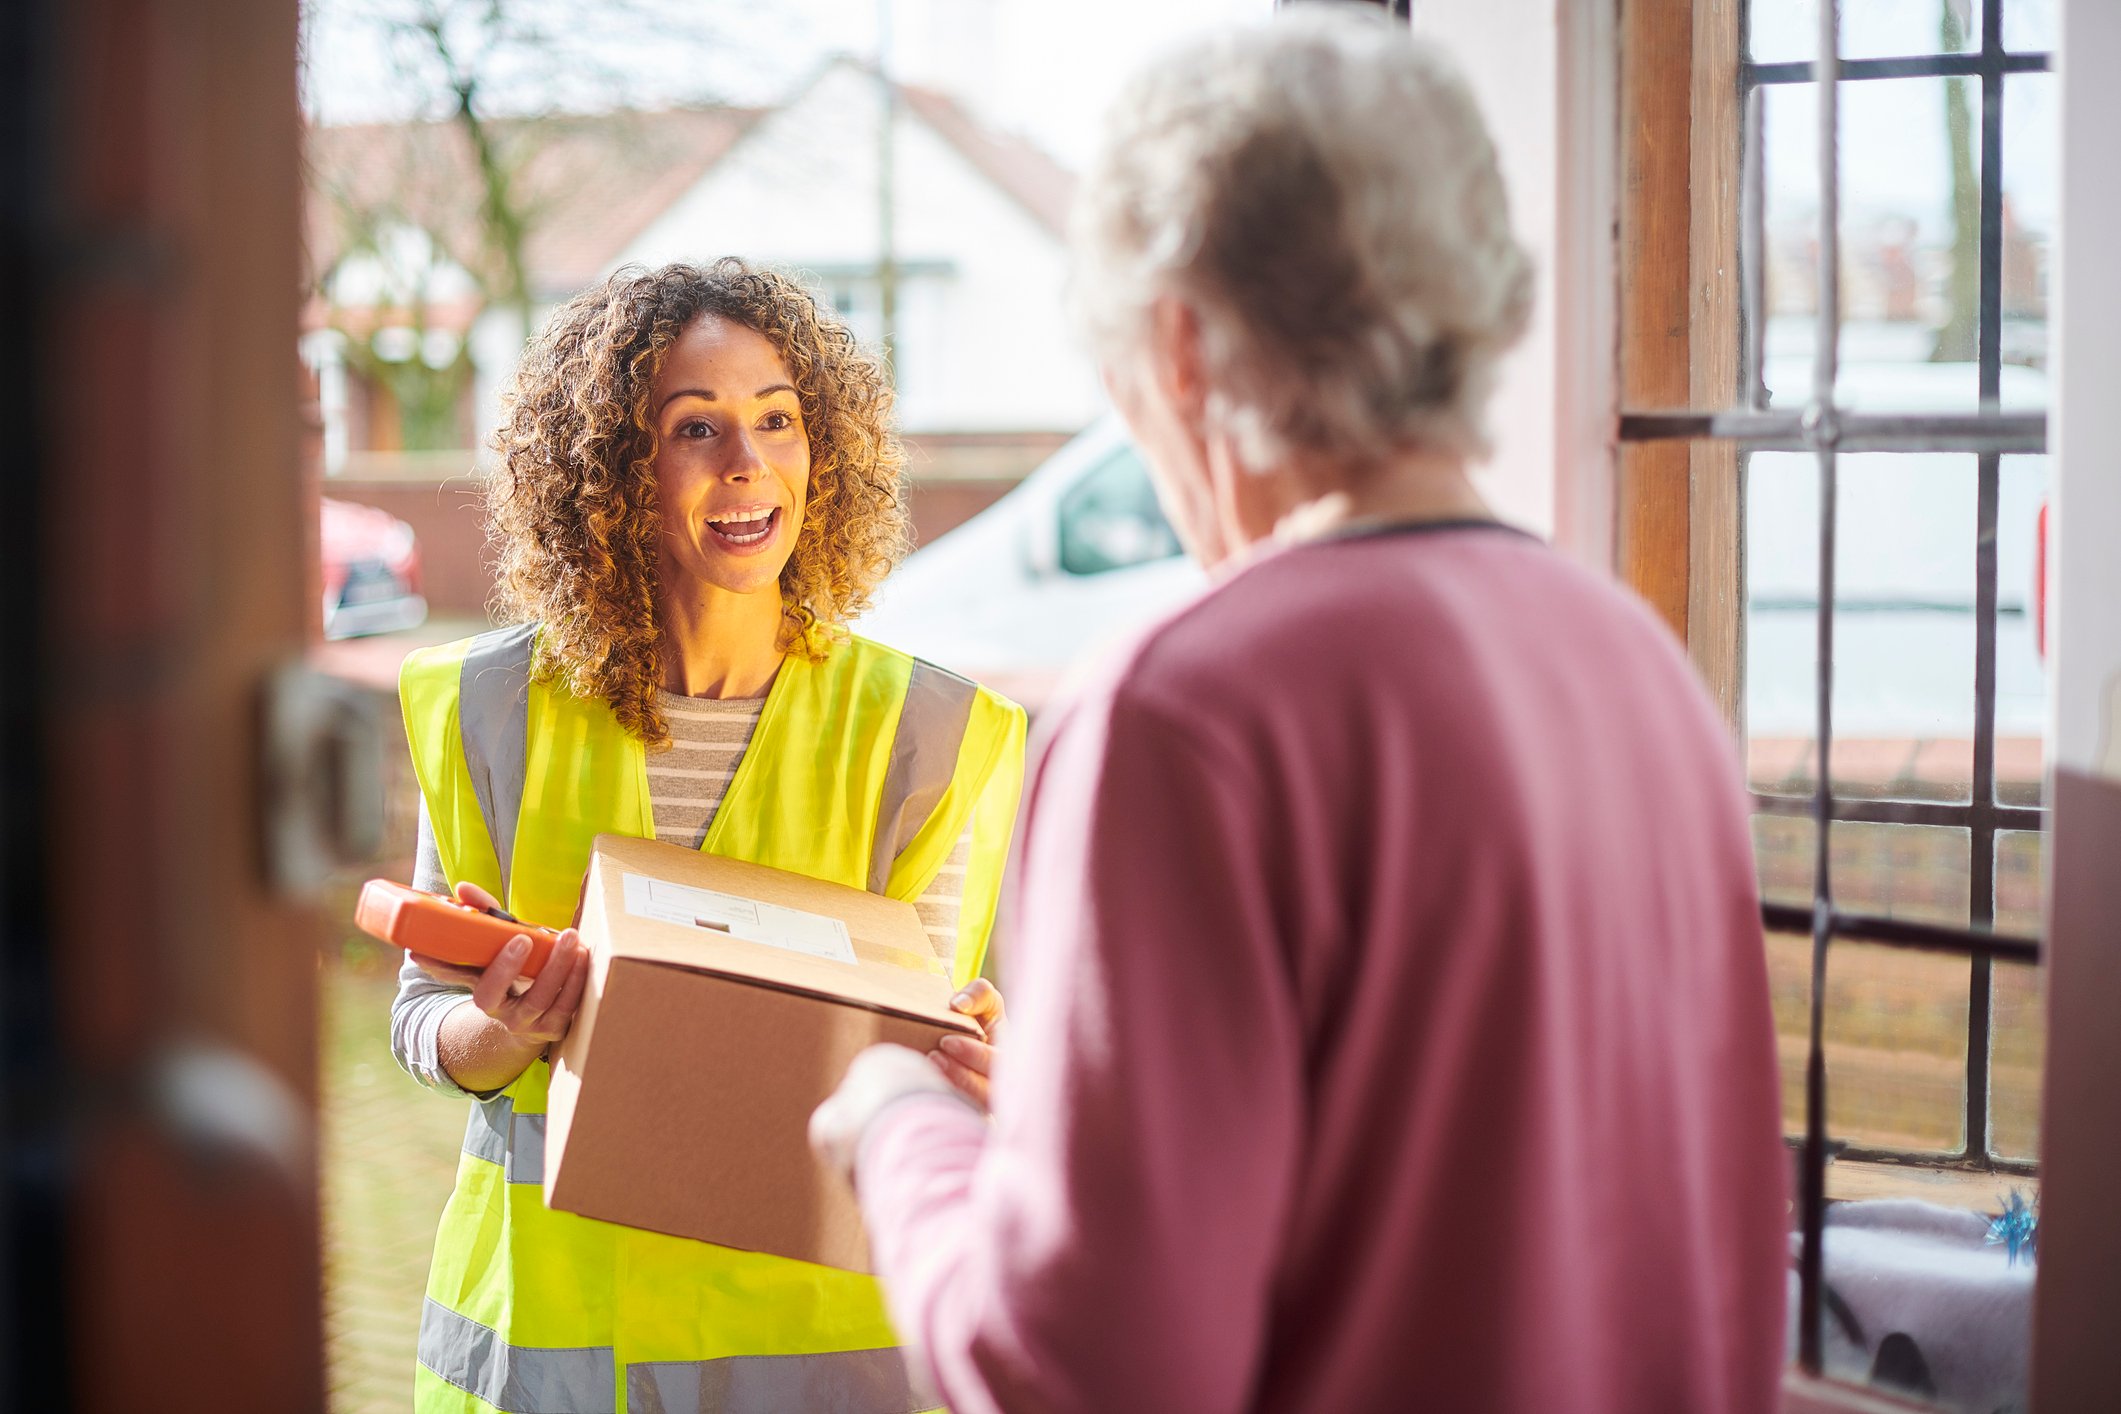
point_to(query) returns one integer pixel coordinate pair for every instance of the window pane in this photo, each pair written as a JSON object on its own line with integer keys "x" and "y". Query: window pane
{"x": 2029, "y": 25}
{"x": 1895, "y": 1047}
{"x": 2031, "y": 152}
{"x": 1784, "y": 30}
{"x": 1910, "y": 225}
{"x": 1789, "y": 957}
{"x": 2018, "y": 1015}
{"x": 1782, "y": 853}
{"x": 2021, "y": 673}
{"x": 1782, "y": 588}
{"x": 1917, "y": 872}
{"x": 1895, "y": 1042}
{"x": 1903, "y": 625}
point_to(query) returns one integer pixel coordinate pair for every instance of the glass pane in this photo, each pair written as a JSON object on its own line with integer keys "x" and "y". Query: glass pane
{"x": 1782, "y": 854}
{"x": 1903, "y": 625}
{"x": 2018, "y": 1015}
{"x": 2021, "y": 670}
{"x": 1110, "y": 520}
{"x": 2031, "y": 154}
{"x": 1789, "y": 959}
{"x": 1895, "y": 1047}
{"x": 2020, "y": 859}
{"x": 2029, "y": 25}
{"x": 1910, "y": 226}
{"x": 1895, "y": 1042}
{"x": 1917, "y": 872}
{"x": 1782, "y": 591}
{"x": 1784, "y": 30}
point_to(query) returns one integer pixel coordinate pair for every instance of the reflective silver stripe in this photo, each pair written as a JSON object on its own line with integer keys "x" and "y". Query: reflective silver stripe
{"x": 834, "y": 1382}
{"x": 931, "y": 728}
{"x": 493, "y": 714}
{"x": 526, "y": 1148}
{"x": 486, "y": 1132}
{"x": 497, "y": 1134}
{"x": 520, "y": 1379}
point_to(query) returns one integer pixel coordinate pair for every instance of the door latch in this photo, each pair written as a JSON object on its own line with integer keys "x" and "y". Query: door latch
{"x": 322, "y": 778}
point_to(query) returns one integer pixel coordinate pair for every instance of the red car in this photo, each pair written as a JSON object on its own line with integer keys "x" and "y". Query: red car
{"x": 371, "y": 571}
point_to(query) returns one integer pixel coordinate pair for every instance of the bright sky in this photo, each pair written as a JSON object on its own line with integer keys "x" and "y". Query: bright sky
{"x": 1047, "y": 69}
{"x": 1034, "y": 66}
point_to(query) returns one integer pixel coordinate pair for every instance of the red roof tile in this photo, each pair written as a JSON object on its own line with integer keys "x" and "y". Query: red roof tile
{"x": 1028, "y": 173}
{"x": 593, "y": 182}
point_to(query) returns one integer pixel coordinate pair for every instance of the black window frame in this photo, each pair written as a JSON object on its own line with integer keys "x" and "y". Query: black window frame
{"x": 1826, "y": 430}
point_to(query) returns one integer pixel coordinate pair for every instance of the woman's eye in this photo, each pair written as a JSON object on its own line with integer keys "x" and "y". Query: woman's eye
{"x": 778, "y": 421}
{"x": 695, "y": 429}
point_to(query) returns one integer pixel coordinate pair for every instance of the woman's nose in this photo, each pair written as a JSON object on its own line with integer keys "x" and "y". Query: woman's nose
{"x": 744, "y": 462}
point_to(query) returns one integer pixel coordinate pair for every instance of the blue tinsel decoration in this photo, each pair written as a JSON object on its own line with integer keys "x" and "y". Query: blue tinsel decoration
{"x": 2017, "y": 1227}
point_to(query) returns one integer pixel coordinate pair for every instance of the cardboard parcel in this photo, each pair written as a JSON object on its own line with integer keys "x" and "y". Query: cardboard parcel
{"x": 724, "y": 1003}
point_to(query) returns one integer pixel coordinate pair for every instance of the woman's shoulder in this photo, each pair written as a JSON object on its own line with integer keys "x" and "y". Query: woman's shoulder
{"x": 866, "y": 655}
{"x": 509, "y": 647}
{"x": 1305, "y": 622}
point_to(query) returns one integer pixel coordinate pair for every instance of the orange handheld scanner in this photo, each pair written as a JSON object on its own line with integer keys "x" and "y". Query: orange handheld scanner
{"x": 444, "y": 928}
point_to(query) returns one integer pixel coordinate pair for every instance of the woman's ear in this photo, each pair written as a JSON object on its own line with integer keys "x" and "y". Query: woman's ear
{"x": 1174, "y": 359}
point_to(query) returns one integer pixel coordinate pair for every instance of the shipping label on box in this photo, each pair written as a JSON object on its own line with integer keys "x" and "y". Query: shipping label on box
{"x": 811, "y": 934}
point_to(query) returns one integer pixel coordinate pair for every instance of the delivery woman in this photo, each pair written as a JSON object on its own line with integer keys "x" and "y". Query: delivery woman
{"x": 700, "y": 486}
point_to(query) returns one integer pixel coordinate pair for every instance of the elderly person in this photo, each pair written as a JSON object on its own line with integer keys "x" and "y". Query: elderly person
{"x": 701, "y": 485}
{"x": 1392, "y": 1022}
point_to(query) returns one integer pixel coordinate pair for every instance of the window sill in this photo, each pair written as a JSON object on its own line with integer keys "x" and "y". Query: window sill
{"x": 1808, "y": 1394}
{"x": 1849, "y": 1180}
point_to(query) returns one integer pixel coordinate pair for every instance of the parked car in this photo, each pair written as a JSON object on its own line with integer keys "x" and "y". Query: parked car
{"x": 1075, "y": 556}
{"x": 371, "y": 571}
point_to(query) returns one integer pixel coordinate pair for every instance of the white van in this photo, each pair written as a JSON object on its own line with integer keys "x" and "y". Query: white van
{"x": 1075, "y": 556}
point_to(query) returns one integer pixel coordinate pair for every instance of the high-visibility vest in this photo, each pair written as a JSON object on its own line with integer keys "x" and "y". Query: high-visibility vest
{"x": 864, "y": 769}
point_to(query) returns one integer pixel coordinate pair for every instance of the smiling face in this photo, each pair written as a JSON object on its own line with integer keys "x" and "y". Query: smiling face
{"x": 732, "y": 462}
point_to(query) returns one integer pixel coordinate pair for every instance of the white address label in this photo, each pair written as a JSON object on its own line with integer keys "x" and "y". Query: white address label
{"x": 790, "y": 929}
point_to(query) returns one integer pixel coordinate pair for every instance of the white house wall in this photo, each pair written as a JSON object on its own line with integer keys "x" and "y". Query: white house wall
{"x": 1510, "y": 52}
{"x": 496, "y": 339}
{"x": 984, "y": 342}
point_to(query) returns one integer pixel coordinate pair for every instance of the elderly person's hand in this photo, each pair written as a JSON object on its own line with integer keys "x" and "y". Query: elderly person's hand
{"x": 879, "y": 1078}
{"x": 969, "y": 1064}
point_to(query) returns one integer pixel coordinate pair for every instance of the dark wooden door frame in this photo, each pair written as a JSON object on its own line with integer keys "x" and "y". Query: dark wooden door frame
{"x": 160, "y": 1184}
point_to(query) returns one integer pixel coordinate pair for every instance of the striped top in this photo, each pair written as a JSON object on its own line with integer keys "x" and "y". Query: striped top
{"x": 687, "y": 781}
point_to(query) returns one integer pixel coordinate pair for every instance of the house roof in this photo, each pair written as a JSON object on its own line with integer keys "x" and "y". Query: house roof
{"x": 1022, "y": 169}
{"x": 594, "y": 182}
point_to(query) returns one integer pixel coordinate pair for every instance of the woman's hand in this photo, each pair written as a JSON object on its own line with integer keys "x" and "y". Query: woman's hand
{"x": 518, "y": 1017}
{"x": 967, "y": 1063}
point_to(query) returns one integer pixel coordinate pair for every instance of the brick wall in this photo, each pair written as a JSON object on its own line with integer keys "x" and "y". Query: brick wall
{"x": 942, "y": 506}
{"x": 446, "y": 516}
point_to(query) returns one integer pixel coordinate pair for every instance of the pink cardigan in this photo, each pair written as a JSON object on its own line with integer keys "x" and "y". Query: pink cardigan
{"x": 1391, "y": 1023}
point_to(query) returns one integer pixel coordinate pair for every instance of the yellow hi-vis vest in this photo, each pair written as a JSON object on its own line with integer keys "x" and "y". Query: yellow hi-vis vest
{"x": 865, "y": 769}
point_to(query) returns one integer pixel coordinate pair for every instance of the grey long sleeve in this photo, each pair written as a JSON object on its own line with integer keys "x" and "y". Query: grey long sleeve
{"x": 423, "y": 999}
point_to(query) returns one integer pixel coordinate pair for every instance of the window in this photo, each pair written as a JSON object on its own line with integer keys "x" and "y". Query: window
{"x": 1834, "y": 432}
{"x": 1109, "y": 520}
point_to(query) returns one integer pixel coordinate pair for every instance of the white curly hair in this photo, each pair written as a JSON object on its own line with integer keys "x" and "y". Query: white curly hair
{"x": 1321, "y": 192}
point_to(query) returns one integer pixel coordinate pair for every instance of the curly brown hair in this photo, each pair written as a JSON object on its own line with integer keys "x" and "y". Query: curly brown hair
{"x": 572, "y": 516}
